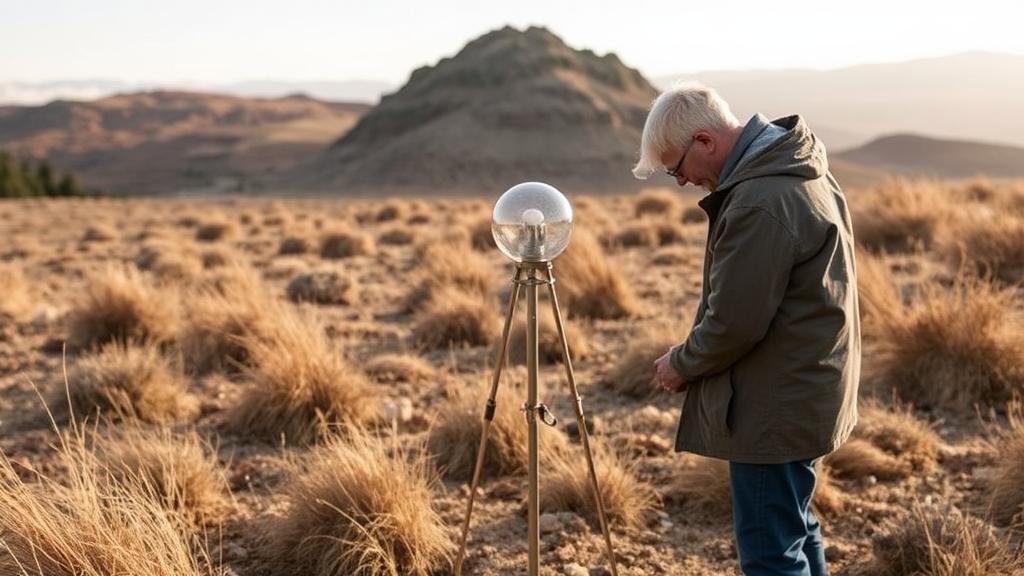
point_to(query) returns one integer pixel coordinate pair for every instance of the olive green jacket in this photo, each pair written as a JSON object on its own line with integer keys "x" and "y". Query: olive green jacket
{"x": 773, "y": 360}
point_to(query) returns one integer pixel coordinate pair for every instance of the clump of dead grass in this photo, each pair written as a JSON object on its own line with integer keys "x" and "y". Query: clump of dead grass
{"x": 88, "y": 524}
{"x": 169, "y": 261}
{"x": 589, "y": 284}
{"x": 951, "y": 347}
{"x": 1006, "y": 484}
{"x": 299, "y": 385}
{"x": 633, "y": 373}
{"x": 455, "y": 318}
{"x": 944, "y": 542}
{"x": 99, "y": 232}
{"x": 323, "y": 287}
{"x": 658, "y": 202}
{"x": 649, "y": 233}
{"x": 179, "y": 471}
{"x": 454, "y": 437}
{"x": 16, "y": 301}
{"x": 901, "y": 215}
{"x": 627, "y": 500}
{"x": 219, "y": 315}
{"x": 129, "y": 381}
{"x": 448, "y": 263}
{"x": 399, "y": 368}
{"x": 355, "y": 509}
{"x": 120, "y": 304}
{"x": 217, "y": 230}
{"x": 548, "y": 343}
{"x": 292, "y": 245}
{"x": 990, "y": 243}
{"x": 342, "y": 242}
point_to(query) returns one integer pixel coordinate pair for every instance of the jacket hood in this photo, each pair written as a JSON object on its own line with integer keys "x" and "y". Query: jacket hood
{"x": 797, "y": 153}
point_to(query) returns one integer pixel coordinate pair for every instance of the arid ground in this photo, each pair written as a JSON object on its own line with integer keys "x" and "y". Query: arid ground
{"x": 274, "y": 387}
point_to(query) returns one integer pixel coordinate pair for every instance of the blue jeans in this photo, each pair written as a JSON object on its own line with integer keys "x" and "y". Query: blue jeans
{"x": 776, "y": 531}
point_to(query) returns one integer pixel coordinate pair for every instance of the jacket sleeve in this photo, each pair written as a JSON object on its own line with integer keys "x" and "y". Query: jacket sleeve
{"x": 751, "y": 262}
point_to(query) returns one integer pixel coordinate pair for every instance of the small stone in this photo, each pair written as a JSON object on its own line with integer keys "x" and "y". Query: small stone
{"x": 235, "y": 552}
{"x": 574, "y": 569}
{"x": 549, "y": 523}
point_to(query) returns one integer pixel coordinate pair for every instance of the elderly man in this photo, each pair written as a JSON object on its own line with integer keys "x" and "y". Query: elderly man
{"x": 772, "y": 362}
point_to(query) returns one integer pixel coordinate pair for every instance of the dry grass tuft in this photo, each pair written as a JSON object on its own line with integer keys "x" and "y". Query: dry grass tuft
{"x": 1007, "y": 481}
{"x": 397, "y": 236}
{"x": 448, "y": 263}
{"x": 100, "y": 232}
{"x": 589, "y": 284}
{"x": 944, "y": 542}
{"x": 859, "y": 459}
{"x": 178, "y": 471}
{"x": 901, "y": 215}
{"x": 292, "y": 245}
{"x": 633, "y": 373}
{"x": 951, "y": 347}
{"x": 323, "y": 287}
{"x": 454, "y": 318}
{"x": 87, "y": 524}
{"x": 299, "y": 385}
{"x": 16, "y": 301}
{"x": 392, "y": 210}
{"x": 990, "y": 243}
{"x": 169, "y": 261}
{"x": 899, "y": 433}
{"x": 454, "y": 437}
{"x": 131, "y": 380}
{"x": 399, "y": 368}
{"x": 219, "y": 315}
{"x": 647, "y": 233}
{"x": 119, "y": 305}
{"x": 658, "y": 202}
{"x": 627, "y": 500}
{"x": 702, "y": 485}
{"x": 354, "y": 509}
{"x": 217, "y": 230}
{"x": 344, "y": 243}
{"x": 548, "y": 343}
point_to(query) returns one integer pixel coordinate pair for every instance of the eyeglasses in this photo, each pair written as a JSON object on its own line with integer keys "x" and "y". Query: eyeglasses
{"x": 674, "y": 173}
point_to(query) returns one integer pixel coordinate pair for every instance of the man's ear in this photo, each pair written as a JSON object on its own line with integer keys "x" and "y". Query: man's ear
{"x": 707, "y": 140}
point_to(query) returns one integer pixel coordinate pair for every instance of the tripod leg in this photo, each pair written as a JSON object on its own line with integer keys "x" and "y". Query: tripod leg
{"x": 488, "y": 416}
{"x": 581, "y": 423}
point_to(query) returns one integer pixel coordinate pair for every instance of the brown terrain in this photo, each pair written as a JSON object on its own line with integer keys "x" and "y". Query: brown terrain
{"x": 162, "y": 142}
{"x": 295, "y": 387}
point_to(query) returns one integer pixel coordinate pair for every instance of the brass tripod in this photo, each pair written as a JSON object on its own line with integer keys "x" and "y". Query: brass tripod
{"x": 532, "y": 409}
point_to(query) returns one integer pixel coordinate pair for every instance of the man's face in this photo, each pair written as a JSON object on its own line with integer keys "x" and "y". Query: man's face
{"x": 696, "y": 161}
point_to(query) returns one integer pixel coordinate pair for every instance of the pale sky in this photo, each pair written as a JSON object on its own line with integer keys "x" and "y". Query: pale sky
{"x": 211, "y": 41}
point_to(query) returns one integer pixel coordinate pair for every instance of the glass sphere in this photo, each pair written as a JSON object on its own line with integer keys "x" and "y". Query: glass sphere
{"x": 532, "y": 222}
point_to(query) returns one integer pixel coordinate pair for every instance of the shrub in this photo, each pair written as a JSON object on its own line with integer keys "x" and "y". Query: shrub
{"x": 901, "y": 214}
{"x": 588, "y": 283}
{"x": 989, "y": 244}
{"x": 452, "y": 318}
{"x": 323, "y": 287}
{"x": 657, "y": 202}
{"x": 943, "y": 542}
{"x": 454, "y": 437}
{"x": 299, "y": 385}
{"x": 399, "y": 368}
{"x": 627, "y": 500}
{"x": 217, "y": 230}
{"x": 1006, "y": 484}
{"x": 292, "y": 245}
{"x": 951, "y": 347}
{"x": 129, "y": 381}
{"x": 633, "y": 372}
{"x": 119, "y": 305}
{"x": 344, "y": 243}
{"x": 177, "y": 471}
{"x": 355, "y": 509}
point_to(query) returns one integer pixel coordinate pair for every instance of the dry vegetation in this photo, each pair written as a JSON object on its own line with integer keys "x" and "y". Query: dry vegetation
{"x": 265, "y": 340}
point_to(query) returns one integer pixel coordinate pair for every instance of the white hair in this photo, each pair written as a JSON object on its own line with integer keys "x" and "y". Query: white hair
{"x": 674, "y": 117}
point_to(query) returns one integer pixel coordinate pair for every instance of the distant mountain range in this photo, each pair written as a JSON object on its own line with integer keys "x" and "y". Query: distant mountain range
{"x": 513, "y": 105}
{"x": 172, "y": 142}
{"x": 969, "y": 96}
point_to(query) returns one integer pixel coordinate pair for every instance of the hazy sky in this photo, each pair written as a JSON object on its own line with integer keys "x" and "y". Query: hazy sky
{"x": 213, "y": 41}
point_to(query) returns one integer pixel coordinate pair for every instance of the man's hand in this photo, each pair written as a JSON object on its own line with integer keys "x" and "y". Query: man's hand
{"x": 666, "y": 375}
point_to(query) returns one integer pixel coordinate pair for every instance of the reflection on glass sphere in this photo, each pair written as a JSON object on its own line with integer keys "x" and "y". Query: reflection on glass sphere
{"x": 532, "y": 222}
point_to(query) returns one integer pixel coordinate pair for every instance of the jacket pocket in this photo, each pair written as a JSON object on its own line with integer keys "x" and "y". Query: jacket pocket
{"x": 715, "y": 401}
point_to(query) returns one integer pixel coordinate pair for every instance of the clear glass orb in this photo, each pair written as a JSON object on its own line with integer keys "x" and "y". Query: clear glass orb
{"x": 532, "y": 222}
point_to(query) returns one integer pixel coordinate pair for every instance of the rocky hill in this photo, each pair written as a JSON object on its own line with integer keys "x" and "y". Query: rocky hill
{"x": 916, "y": 155}
{"x": 510, "y": 106}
